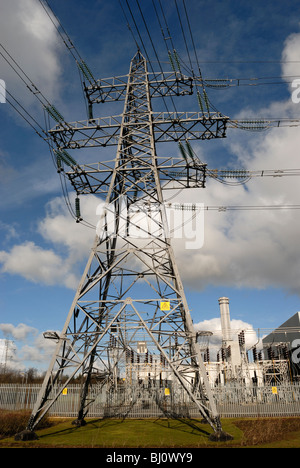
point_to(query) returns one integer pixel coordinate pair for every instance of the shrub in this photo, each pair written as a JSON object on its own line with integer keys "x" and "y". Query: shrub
{"x": 12, "y": 422}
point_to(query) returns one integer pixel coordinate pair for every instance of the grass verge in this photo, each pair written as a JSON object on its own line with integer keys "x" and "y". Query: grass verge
{"x": 160, "y": 433}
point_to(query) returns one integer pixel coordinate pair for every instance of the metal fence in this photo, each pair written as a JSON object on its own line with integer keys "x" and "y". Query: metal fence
{"x": 232, "y": 401}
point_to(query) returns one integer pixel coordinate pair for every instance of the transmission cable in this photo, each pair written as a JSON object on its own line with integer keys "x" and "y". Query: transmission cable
{"x": 154, "y": 49}
{"x": 23, "y": 78}
{"x": 65, "y": 37}
{"x": 45, "y": 137}
{"x": 224, "y": 208}
{"x": 128, "y": 26}
{"x": 145, "y": 50}
{"x": 169, "y": 37}
{"x": 184, "y": 37}
{"x": 192, "y": 39}
{"x": 207, "y": 102}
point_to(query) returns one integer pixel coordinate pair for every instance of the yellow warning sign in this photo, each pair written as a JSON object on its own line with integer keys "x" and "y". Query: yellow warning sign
{"x": 165, "y": 306}
{"x": 167, "y": 391}
{"x": 65, "y": 391}
{"x": 274, "y": 390}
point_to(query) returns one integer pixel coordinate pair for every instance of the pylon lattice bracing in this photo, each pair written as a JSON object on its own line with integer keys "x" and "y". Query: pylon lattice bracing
{"x": 129, "y": 324}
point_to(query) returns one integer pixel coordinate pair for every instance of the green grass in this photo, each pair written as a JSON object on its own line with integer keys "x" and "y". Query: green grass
{"x": 162, "y": 433}
{"x": 111, "y": 433}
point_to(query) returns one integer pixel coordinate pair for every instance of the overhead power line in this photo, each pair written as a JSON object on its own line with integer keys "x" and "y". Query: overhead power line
{"x": 131, "y": 16}
{"x": 225, "y": 83}
{"x": 223, "y": 208}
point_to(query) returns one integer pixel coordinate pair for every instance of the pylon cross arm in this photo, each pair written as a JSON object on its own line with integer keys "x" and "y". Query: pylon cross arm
{"x": 167, "y": 126}
{"x": 160, "y": 84}
{"x": 95, "y": 178}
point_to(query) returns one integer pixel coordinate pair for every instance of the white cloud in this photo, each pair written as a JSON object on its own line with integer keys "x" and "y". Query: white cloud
{"x": 290, "y": 56}
{"x": 19, "y": 332}
{"x": 69, "y": 244}
{"x": 59, "y": 228}
{"x": 32, "y": 40}
{"x": 9, "y": 353}
{"x": 37, "y": 353}
{"x": 24, "y": 347}
{"x": 241, "y": 248}
{"x": 254, "y": 249}
{"x": 214, "y": 342}
{"x": 37, "y": 265}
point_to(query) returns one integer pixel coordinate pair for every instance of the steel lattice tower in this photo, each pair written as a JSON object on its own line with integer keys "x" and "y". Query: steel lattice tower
{"x": 129, "y": 319}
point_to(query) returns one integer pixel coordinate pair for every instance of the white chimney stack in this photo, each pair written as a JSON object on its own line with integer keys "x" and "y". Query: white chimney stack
{"x": 225, "y": 319}
{"x": 227, "y": 341}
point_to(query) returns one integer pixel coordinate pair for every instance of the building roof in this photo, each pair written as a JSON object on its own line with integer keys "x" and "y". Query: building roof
{"x": 285, "y": 333}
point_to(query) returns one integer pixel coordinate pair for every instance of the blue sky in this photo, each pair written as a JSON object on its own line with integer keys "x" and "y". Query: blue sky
{"x": 252, "y": 257}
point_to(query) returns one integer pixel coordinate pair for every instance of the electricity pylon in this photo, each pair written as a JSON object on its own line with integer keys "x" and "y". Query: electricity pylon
{"x": 129, "y": 320}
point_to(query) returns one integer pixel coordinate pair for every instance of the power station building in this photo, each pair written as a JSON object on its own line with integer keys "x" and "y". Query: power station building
{"x": 230, "y": 357}
{"x": 272, "y": 361}
{"x": 286, "y": 335}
